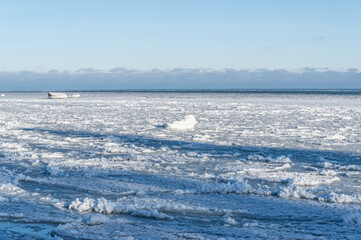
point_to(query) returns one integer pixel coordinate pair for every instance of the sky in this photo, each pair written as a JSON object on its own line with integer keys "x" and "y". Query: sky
{"x": 44, "y": 36}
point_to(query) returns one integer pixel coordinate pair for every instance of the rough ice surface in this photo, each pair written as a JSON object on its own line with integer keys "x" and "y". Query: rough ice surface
{"x": 223, "y": 165}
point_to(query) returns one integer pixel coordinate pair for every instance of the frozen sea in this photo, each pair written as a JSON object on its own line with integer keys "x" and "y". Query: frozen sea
{"x": 181, "y": 165}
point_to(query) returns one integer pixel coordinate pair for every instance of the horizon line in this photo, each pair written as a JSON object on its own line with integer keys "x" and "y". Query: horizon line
{"x": 197, "y": 90}
{"x": 205, "y": 69}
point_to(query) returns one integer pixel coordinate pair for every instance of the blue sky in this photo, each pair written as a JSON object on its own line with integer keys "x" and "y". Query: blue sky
{"x": 42, "y": 35}
{"x": 108, "y": 44}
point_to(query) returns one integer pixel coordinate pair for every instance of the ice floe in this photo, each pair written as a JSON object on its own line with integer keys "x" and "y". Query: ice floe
{"x": 188, "y": 123}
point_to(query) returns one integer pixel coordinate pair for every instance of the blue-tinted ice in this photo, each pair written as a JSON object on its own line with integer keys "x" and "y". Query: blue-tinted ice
{"x": 222, "y": 165}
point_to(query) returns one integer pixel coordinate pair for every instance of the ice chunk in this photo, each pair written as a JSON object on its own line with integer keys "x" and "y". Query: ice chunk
{"x": 239, "y": 187}
{"x": 53, "y": 171}
{"x": 101, "y": 205}
{"x": 96, "y": 219}
{"x": 187, "y": 123}
{"x": 294, "y": 191}
{"x": 340, "y": 198}
{"x": 230, "y": 221}
{"x": 75, "y": 95}
{"x": 53, "y": 95}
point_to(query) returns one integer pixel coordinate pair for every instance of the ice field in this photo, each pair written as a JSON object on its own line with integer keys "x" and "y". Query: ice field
{"x": 181, "y": 165}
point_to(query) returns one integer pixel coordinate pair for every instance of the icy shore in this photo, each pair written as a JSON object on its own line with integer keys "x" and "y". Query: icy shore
{"x": 224, "y": 165}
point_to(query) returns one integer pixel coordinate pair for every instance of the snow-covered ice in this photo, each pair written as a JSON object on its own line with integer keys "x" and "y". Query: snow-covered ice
{"x": 187, "y": 123}
{"x": 228, "y": 165}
